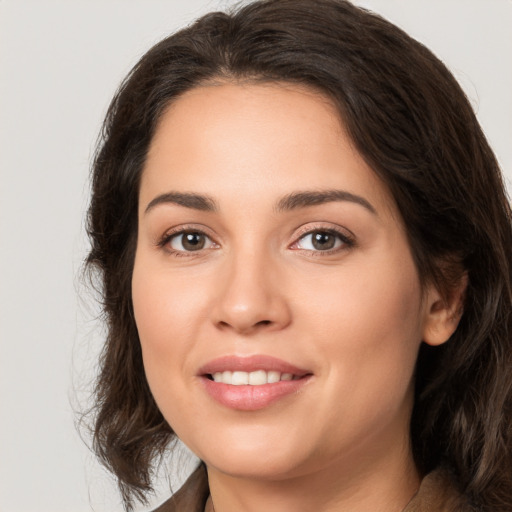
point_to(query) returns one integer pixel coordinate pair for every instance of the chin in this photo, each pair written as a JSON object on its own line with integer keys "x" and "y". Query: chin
{"x": 253, "y": 456}
{"x": 238, "y": 465}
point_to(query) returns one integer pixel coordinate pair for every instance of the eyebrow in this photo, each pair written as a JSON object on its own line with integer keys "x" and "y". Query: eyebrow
{"x": 312, "y": 198}
{"x": 188, "y": 200}
{"x": 289, "y": 202}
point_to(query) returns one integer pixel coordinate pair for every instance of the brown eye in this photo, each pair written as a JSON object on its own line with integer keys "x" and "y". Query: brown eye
{"x": 322, "y": 240}
{"x": 189, "y": 241}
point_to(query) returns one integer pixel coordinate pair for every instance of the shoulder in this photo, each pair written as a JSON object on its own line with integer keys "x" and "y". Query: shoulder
{"x": 438, "y": 493}
{"x": 191, "y": 497}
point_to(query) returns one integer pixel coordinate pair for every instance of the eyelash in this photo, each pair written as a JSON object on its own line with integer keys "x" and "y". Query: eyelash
{"x": 164, "y": 242}
{"x": 347, "y": 241}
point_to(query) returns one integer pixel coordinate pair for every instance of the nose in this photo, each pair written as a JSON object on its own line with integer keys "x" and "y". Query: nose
{"x": 251, "y": 296}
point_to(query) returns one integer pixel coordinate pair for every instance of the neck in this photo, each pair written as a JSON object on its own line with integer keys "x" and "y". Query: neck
{"x": 381, "y": 482}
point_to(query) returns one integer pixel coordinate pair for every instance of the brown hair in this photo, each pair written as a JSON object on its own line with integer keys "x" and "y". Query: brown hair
{"x": 412, "y": 123}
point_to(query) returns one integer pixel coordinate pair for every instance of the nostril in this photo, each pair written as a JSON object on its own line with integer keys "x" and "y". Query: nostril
{"x": 245, "y": 326}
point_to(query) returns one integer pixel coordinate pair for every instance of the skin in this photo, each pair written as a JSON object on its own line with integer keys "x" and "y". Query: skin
{"x": 353, "y": 316}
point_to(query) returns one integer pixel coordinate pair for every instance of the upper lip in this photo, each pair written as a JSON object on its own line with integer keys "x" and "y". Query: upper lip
{"x": 250, "y": 364}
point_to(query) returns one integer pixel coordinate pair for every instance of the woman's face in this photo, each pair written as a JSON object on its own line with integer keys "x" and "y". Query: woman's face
{"x": 267, "y": 247}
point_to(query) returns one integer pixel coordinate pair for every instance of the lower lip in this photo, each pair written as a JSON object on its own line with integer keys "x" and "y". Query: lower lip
{"x": 252, "y": 398}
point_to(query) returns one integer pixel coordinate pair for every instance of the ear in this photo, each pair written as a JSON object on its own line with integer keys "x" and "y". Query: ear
{"x": 442, "y": 315}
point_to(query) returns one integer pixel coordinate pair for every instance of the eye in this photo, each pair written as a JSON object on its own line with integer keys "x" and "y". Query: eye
{"x": 189, "y": 241}
{"x": 322, "y": 240}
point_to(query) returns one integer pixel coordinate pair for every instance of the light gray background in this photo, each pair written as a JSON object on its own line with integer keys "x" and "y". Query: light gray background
{"x": 60, "y": 63}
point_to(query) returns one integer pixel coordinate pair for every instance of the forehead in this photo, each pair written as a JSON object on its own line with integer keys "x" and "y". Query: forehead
{"x": 267, "y": 139}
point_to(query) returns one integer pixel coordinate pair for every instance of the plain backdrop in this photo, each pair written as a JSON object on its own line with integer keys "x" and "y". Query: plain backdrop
{"x": 60, "y": 63}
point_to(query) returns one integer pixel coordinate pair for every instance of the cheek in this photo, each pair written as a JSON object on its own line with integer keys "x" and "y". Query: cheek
{"x": 166, "y": 309}
{"x": 166, "y": 302}
{"x": 374, "y": 302}
{"x": 367, "y": 322}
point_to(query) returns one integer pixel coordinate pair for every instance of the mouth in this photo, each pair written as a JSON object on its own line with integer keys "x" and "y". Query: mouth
{"x": 252, "y": 383}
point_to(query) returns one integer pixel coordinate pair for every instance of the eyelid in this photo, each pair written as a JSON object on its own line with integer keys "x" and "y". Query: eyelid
{"x": 346, "y": 236}
{"x": 163, "y": 241}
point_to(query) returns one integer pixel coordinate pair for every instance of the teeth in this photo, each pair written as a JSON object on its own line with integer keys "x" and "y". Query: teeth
{"x": 239, "y": 378}
{"x": 273, "y": 377}
{"x": 256, "y": 378}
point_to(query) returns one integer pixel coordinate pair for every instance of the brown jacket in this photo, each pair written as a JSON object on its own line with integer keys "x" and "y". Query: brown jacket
{"x": 436, "y": 494}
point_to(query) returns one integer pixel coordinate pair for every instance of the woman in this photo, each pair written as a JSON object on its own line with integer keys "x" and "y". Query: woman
{"x": 304, "y": 241}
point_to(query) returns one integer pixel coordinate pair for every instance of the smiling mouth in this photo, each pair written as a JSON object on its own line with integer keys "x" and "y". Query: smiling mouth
{"x": 255, "y": 378}
{"x": 252, "y": 383}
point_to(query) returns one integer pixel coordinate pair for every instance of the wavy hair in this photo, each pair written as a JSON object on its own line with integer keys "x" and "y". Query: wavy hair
{"x": 412, "y": 123}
